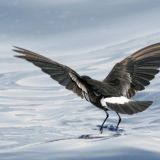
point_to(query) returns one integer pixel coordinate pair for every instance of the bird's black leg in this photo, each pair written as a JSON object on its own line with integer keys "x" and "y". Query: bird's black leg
{"x": 119, "y": 120}
{"x": 107, "y": 115}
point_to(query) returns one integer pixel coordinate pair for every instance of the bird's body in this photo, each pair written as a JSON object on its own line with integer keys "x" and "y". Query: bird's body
{"x": 113, "y": 93}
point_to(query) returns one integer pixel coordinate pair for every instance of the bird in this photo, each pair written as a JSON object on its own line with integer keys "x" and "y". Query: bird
{"x": 115, "y": 92}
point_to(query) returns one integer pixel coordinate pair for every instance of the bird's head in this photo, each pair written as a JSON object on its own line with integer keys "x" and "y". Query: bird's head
{"x": 85, "y": 77}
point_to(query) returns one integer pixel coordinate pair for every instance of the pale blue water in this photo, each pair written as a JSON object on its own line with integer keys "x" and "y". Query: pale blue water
{"x": 39, "y": 119}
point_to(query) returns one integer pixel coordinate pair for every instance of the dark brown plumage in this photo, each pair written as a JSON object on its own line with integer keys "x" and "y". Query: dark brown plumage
{"x": 127, "y": 77}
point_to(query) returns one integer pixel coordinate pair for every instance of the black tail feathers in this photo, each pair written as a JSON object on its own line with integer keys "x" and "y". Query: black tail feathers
{"x": 131, "y": 107}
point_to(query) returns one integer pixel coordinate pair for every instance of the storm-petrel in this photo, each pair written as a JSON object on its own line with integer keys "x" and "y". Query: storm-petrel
{"x": 114, "y": 92}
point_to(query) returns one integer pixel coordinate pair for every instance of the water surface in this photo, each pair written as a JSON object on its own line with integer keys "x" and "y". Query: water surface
{"x": 39, "y": 119}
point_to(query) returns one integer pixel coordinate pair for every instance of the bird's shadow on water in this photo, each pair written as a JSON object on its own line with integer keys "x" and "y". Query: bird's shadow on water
{"x": 109, "y": 132}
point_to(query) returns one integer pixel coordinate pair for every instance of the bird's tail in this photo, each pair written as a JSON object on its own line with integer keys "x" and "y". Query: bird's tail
{"x": 130, "y": 107}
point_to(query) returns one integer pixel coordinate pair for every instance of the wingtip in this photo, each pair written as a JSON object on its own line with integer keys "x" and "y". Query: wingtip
{"x": 150, "y": 102}
{"x": 19, "y": 56}
{"x": 16, "y": 48}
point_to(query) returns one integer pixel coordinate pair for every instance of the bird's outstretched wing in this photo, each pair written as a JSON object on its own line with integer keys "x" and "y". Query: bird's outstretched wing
{"x": 61, "y": 73}
{"x": 136, "y": 71}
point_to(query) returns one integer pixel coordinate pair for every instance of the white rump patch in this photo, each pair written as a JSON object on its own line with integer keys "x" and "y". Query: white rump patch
{"x": 114, "y": 100}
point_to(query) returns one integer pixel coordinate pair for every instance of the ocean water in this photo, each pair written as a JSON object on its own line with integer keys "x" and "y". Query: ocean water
{"x": 39, "y": 119}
